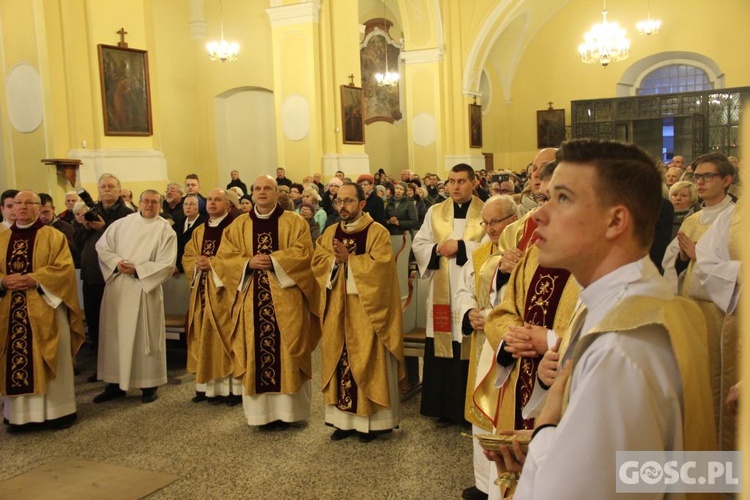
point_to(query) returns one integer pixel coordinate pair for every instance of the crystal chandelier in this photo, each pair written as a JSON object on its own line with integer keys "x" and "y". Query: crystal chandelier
{"x": 605, "y": 43}
{"x": 222, "y": 50}
{"x": 648, "y": 26}
{"x": 389, "y": 78}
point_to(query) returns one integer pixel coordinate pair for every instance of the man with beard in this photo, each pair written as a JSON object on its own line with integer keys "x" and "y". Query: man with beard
{"x": 363, "y": 359}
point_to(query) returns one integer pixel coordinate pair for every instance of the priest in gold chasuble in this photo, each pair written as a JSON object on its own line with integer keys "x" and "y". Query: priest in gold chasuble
{"x": 42, "y": 327}
{"x": 450, "y": 233}
{"x": 209, "y": 327}
{"x": 480, "y": 290}
{"x": 264, "y": 261}
{"x": 360, "y": 307}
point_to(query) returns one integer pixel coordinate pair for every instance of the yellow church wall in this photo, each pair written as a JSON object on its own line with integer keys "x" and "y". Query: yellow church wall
{"x": 22, "y": 151}
{"x": 550, "y": 68}
{"x": 387, "y": 147}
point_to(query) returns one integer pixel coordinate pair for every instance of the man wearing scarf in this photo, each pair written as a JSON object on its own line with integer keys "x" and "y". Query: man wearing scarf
{"x": 363, "y": 355}
{"x": 264, "y": 263}
{"x": 42, "y": 327}
{"x": 450, "y": 233}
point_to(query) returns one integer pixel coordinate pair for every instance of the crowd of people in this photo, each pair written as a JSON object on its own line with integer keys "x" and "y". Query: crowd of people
{"x": 545, "y": 293}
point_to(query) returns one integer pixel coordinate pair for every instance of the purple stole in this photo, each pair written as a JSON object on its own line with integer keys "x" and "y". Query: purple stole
{"x": 267, "y": 334}
{"x": 19, "y": 366}
{"x": 209, "y": 247}
{"x": 356, "y": 243}
{"x": 542, "y": 299}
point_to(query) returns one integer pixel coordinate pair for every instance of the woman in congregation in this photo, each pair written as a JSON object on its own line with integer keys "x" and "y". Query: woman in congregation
{"x": 401, "y": 212}
{"x": 246, "y": 203}
{"x": 311, "y": 195}
{"x": 295, "y": 193}
{"x": 684, "y": 198}
{"x": 412, "y": 191}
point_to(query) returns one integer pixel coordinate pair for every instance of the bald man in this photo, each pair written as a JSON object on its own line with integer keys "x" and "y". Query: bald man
{"x": 264, "y": 263}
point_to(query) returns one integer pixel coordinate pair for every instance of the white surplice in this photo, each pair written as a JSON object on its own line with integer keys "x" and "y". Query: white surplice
{"x": 466, "y": 300}
{"x": 132, "y": 338}
{"x": 625, "y": 394}
{"x": 422, "y": 247}
{"x": 718, "y": 274}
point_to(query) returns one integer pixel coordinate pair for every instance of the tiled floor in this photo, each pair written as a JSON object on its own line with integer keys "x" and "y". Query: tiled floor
{"x": 217, "y": 455}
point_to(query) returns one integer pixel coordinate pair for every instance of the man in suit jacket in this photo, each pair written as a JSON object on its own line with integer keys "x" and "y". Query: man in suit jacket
{"x": 186, "y": 226}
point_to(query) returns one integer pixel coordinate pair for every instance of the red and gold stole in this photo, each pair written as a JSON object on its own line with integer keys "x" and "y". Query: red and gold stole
{"x": 442, "y": 228}
{"x": 542, "y": 298}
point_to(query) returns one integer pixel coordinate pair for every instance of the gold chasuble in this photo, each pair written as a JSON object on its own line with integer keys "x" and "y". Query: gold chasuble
{"x": 442, "y": 228}
{"x": 209, "y": 326}
{"x": 686, "y": 328}
{"x": 486, "y": 260}
{"x": 272, "y": 335}
{"x": 535, "y": 295}
{"x": 360, "y": 327}
{"x": 28, "y": 326}
{"x": 714, "y": 316}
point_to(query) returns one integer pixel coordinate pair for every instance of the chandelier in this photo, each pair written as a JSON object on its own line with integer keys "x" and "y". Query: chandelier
{"x": 648, "y": 26}
{"x": 605, "y": 43}
{"x": 387, "y": 79}
{"x": 222, "y": 50}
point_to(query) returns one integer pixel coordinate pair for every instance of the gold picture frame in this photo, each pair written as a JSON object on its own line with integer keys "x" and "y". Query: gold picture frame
{"x": 475, "y": 126}
{"x": 352, "y": 122}
{"x": 126, "y": 94}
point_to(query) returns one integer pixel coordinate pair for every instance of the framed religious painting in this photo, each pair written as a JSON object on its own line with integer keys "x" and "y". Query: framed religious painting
{"x": 475, "y": 126}
{"x": 550, "y": 128}
{"x": 351, "y": 115}
{"x": 126, "y": 97}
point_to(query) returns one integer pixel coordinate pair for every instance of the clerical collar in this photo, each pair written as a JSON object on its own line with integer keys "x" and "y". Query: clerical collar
{"x": 263, "y": 216}
{"x": 461, "y": 209}
{"x": 215, "y": 222}
{"x": 22, "y": 227}
{"x": 355, "y": 223}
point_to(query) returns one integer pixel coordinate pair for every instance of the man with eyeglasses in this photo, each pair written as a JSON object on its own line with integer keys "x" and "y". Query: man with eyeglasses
{"x": 136, "y": 254}
{"x": 185, "y": 226}
{"x": 107, "y": 210}
{"x": 360, "y": 305}
{"x": 263, "y": 263}
{"x": 42, "y": 326}
{"x": 713, "y": 175}
{"x": 450, "y": 233}
{"x": 479, "y": 291}
{"x": 373, "y": 204}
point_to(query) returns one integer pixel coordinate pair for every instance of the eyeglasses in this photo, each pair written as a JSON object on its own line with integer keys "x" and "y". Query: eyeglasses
{"x": 345, "y": 201}
{"x": 26, "y": 203}
{"x": 707, "y": 177}
{"x": 495, "y": 222}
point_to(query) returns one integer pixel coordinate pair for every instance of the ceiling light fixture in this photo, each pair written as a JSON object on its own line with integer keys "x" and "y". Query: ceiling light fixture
{"x": 222, "y": 50}
{"x": 605, "y": 43}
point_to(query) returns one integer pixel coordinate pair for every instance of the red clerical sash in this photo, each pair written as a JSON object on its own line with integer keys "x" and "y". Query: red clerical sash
{"x": 542, "y": 299}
